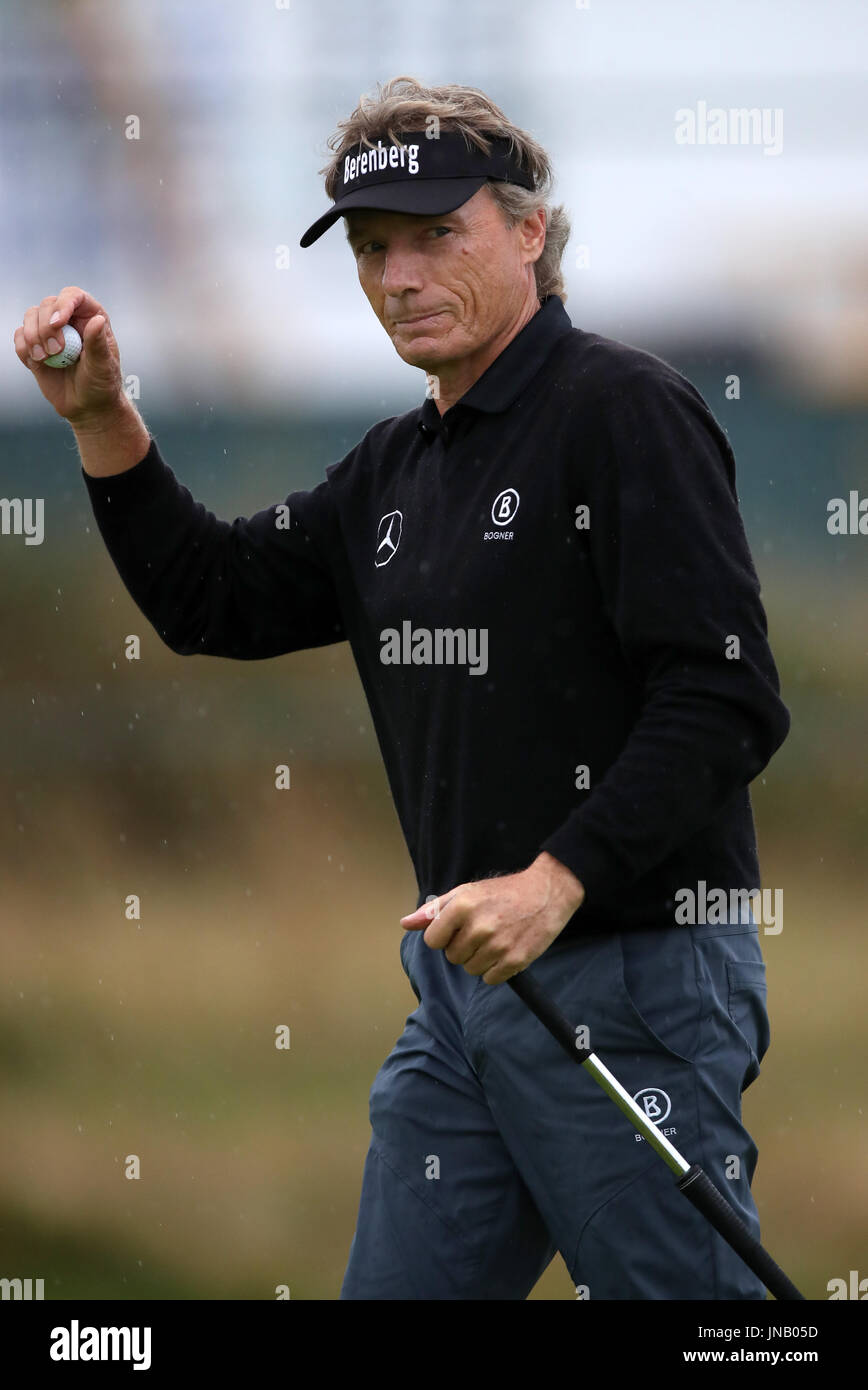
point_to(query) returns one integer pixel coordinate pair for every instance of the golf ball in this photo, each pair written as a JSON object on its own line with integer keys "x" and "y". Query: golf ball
{"x": 71, "y": 350}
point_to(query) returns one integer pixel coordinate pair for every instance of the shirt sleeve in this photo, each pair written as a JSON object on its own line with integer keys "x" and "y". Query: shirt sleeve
{"x": 678, "y": 585}
{"x": 251, "y": 588}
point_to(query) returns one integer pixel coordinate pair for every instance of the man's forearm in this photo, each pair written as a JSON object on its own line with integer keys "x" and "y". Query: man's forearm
{"x": 112, "y": 443}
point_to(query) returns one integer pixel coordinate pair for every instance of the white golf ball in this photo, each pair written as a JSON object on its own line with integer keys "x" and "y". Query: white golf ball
{"x": 71, "y": 350}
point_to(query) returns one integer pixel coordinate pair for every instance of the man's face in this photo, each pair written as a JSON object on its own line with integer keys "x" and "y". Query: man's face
{"x": 443, "y": 286}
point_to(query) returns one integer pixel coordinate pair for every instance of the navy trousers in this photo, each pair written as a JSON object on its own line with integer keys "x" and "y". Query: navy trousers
{"x": 491, "y": 1151}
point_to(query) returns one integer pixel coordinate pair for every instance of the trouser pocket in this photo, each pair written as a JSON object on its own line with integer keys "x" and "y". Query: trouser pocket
{"x": 661, "y": 990}
{"x": 405, "y": 950}
{"x": 746, "y": 1005}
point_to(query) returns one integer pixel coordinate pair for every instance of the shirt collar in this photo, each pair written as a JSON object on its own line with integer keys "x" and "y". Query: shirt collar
{"x": 512, "y": 369}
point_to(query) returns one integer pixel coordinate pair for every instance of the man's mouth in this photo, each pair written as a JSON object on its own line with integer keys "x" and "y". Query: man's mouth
{"x": 419, "y": 318}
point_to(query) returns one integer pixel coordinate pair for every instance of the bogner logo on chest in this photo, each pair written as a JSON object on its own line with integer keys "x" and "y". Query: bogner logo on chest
{"x": 503, "y": 513}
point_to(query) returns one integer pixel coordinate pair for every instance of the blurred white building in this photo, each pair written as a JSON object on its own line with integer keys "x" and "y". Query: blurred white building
{"x": 183, "y": 232}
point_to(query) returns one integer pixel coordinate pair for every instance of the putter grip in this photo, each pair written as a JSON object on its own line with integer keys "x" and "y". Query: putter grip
{"x": 702, "y": 1193}
{"x": 551, "y": 1017}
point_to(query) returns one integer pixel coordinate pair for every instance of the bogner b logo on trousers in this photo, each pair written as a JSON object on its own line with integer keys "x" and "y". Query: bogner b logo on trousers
{"x": 657, "y": 1106}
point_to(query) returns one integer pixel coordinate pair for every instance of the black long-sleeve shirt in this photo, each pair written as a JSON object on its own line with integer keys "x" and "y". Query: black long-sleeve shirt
{"x": 573, "y": 522}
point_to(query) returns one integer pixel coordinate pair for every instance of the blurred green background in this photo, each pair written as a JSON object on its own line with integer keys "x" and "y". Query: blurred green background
{"x": 261, "y": 908}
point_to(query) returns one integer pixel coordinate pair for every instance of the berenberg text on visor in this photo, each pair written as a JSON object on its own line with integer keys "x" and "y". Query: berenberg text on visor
{"x": 381, "y": 158}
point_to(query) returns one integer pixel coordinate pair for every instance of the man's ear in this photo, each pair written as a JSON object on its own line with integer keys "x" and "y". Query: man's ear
{"x": 533, "y": 234}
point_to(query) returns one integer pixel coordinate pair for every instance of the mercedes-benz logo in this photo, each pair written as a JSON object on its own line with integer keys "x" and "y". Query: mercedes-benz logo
{"x": 388, "y": 537}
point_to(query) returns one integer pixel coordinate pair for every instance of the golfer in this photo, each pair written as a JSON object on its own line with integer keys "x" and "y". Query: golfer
{"x": 546, "y": 585}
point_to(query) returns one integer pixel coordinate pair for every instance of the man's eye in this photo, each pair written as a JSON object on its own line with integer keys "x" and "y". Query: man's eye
{"x": 369, "y": 248}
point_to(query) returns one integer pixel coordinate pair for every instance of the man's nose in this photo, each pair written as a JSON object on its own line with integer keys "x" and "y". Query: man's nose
{"x": 401, "y": 271}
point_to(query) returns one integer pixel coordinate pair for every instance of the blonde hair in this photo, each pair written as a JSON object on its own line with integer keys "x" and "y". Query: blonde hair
{"x": 403, "y": 105}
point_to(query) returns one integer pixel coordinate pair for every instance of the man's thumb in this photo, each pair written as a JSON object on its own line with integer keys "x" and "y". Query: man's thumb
{"x": 95, "y": 336}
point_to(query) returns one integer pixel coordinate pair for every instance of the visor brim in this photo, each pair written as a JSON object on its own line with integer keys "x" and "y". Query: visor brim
{"x": 426, "y": 197}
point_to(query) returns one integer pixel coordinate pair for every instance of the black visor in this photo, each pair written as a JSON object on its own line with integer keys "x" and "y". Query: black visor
{"x": 418, "y": 175}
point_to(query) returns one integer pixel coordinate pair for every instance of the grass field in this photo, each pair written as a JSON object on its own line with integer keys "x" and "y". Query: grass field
{"x": 155, "y": 1038}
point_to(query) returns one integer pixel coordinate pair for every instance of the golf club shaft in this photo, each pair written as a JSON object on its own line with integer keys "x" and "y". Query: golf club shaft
{"x": 697, "y": 1187}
